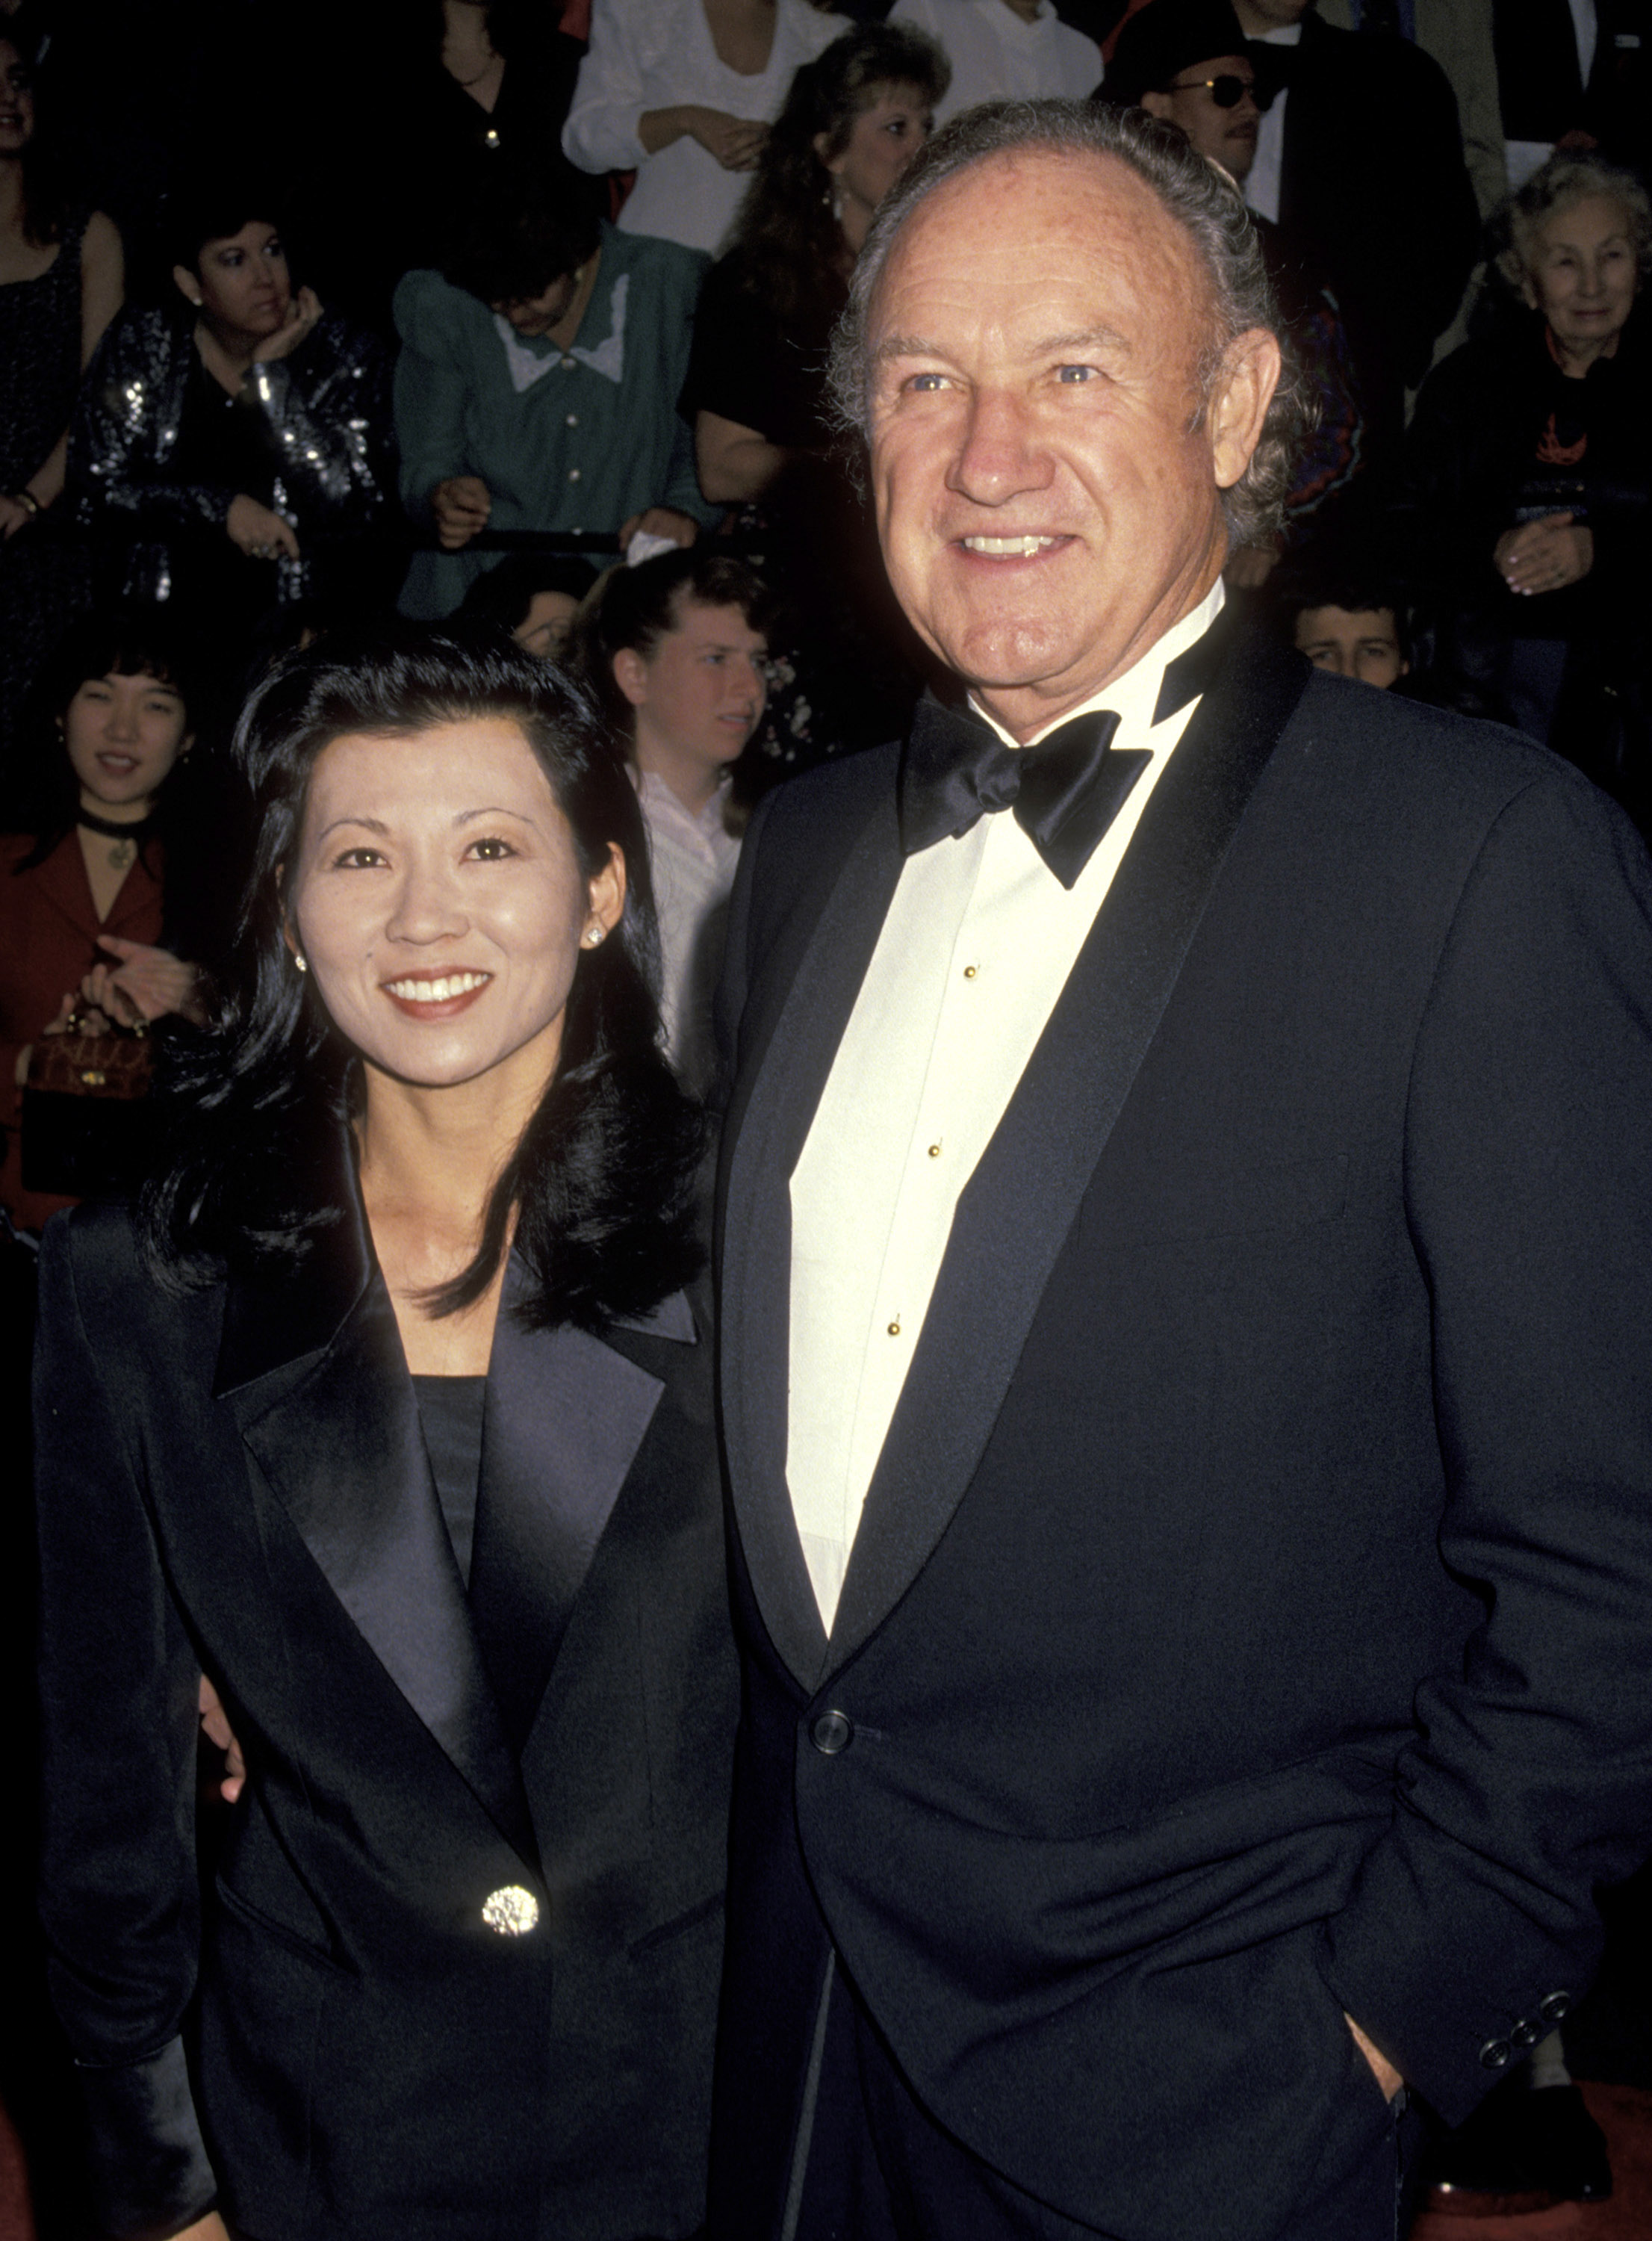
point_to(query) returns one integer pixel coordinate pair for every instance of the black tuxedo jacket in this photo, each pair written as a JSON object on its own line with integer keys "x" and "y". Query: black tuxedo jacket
{"x": 235, "y": 1482}
{"x": 1374, "y": 191}
{"x": 1251, "y": 1614}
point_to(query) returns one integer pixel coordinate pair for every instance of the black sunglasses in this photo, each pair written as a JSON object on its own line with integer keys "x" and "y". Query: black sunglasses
{"x": 1226, "y": 92}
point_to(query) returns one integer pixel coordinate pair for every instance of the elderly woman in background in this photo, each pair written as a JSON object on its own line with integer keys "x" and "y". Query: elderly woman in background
{"x": 233, "y": 452}
{"x": 1528, "y": 466}
{"x": 683, "y": 92}
{"x": 763, "y": 433}
{"x": 61, "y": 279}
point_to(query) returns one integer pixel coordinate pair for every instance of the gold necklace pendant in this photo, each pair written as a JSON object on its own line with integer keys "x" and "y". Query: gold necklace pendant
{"x": 123, "y": 855}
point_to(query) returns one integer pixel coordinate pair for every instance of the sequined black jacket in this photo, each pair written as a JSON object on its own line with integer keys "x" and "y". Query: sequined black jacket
{"x": 326, "y": 410}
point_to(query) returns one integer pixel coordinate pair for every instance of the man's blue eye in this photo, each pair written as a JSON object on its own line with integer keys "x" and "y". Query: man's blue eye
{"x": 1075, "y": 373}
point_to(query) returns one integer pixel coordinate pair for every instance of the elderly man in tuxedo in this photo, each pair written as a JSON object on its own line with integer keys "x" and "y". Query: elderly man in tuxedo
{"x": 1185, "y": 1247}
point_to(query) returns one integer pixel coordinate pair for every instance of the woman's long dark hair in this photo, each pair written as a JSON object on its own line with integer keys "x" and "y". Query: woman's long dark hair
{"x": 601, "y": 1183}
{"x": 787, "y": 246}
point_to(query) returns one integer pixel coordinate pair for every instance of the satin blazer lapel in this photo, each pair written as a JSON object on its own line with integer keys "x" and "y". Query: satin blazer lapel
{"x": 564, "y": 1417}
{"x": 313, "y": 1370}
{"x": 1013, "y": 1217}
{"x": 800, "y": 1005}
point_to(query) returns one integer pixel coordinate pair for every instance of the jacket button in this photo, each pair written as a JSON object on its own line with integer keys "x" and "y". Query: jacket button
{"x": 511, "y": 1910}
{"x": 1555, "y": 2008}
{"x": 1525, "y": 2034}
{"x": 831, "y": 1732}
{"x": 1495, "y": 2054}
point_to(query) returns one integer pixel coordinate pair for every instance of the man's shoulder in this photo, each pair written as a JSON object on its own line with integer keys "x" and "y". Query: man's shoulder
{"x": 1434, "y": 771}
{"x": 831, "y": 803}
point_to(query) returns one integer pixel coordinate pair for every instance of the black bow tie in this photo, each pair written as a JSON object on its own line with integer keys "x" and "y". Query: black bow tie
{"x": 1064, "y": 791}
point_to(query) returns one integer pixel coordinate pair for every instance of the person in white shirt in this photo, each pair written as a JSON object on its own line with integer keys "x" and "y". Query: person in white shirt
{"x": 677, "y": 650}
{"x": 1004, "y": 50}
{"x": 683, "y": 92}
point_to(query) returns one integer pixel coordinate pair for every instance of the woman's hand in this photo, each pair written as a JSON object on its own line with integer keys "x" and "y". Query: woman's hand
{"x": 210, "y": 2228}
{"x": 734, "y": 141}
{"x": 215, "y": 1723}
{"x": 459, "y": 507}
{"x": 1544, "y": 555}
{"x": 260, "y": 533}
{"x": 306, "y": 309}
{"x": 14, "y": 516}
{"x": 146, "y": 984}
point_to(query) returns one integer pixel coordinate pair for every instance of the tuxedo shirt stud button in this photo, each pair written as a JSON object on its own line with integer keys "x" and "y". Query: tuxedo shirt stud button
{"x": 1525, "y": 2034}
{"x": 1495, "y": 2054}
{"x": 1555, "y": 2008}
{"x": 511, "y": 1910}
{"x": 831, "y": 1732}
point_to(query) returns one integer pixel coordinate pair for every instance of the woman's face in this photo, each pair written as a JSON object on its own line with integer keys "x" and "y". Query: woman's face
{"x": 17, "y": 101}
{"x": 438, "y": 903}
{"x": 240, "y": 284}
{"x": 699, "y": 694}
{"x": 1581, "y": 273}
{"x": 883, "y": 140}
{"x": 123, "y": 734}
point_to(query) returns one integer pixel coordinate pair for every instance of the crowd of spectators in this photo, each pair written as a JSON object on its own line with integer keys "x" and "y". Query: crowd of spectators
{"x": 522, "y": 311}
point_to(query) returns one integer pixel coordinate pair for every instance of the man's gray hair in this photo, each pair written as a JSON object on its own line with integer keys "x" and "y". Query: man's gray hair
{"x": 1197, "y": 194}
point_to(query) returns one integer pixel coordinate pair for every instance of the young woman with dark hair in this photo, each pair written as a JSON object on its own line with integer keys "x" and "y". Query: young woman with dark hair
{"x": 61, "y": 278}
{"x": 233, "y": 453}
{"x": 88, "y": 911}
{"x": 388, "y": 1416}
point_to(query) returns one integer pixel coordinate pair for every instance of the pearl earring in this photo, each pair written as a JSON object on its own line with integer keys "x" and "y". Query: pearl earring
{"x": 593, "y": 935}
{"x": 300, "y": 961}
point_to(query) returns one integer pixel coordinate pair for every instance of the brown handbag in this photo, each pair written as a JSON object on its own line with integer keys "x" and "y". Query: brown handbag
{"x": 84, "y": 1125}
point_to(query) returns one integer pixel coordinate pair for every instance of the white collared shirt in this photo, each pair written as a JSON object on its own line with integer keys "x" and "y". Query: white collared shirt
{"x": 693, "y": 860}
{"x": 997, "y": 54}
{"x": 976, "y": 950}
{"x": 1262, "y": 187}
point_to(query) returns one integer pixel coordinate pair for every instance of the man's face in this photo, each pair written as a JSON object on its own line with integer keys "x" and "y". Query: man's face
{"x": 1045, "y": 482}
{"x": 1227, "y": 134}
{"x": 1350, "y": 642}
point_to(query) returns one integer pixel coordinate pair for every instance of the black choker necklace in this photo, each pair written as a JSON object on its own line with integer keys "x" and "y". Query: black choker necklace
{"x": 137, "y": 829}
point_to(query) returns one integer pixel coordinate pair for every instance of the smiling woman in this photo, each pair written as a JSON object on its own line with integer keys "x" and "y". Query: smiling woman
{"x": 434, "y": 1507}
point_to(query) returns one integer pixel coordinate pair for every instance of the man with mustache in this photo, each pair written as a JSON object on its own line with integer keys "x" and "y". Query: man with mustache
{"x": 1184, "y": 1238}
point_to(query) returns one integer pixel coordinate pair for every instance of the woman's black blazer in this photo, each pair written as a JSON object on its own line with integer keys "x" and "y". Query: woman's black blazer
{"x": 351, "y": 2033}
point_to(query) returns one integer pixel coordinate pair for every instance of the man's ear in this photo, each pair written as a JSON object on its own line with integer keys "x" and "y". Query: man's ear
{"x": 1156, "y": 105}
{"x": 187, "y": 284}
{"x": 631, "y": 675}
{"x": 1240, "y": 397}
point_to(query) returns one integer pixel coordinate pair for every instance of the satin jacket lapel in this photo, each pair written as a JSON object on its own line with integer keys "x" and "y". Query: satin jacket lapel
{"x": 1014, "y": 1216}
{"x": 801, "y": 1004}
{"x": 313, "y": 1371}
{"x": 566, "y": 1414}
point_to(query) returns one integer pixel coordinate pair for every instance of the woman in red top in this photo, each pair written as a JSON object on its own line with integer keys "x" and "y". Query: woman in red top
{"x": 81, "y": 894}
